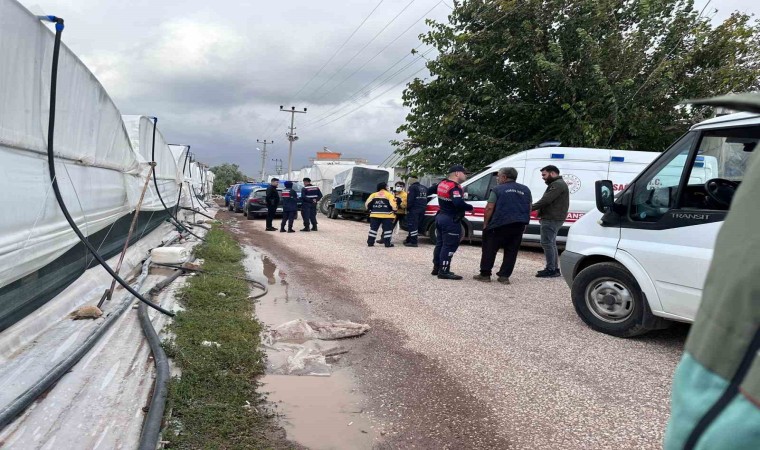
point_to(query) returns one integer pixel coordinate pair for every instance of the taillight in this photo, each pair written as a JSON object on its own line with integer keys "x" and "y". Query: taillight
{"x": 238, "y": 195}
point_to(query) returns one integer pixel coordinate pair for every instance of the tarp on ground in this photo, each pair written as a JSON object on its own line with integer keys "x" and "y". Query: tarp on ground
{"x": 168, "y": 175}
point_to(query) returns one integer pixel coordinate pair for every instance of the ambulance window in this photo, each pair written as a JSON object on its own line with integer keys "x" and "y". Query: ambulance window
{"x": 479, "y": 189}
{"x": 655, "y": 192}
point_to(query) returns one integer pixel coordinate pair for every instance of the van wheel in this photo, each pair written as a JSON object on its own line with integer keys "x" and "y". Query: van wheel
{"x": 431, "y": 233}
{"x": 608, "y": 298}
{"x": 250, "y": 215}
{"x": 323, "y": 206}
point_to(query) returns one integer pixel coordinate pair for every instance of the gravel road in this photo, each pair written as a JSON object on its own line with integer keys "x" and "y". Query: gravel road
{"x": 465, "y": 364}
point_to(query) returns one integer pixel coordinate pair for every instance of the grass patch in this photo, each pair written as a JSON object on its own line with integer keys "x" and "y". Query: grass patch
{"x": 209, "y": 401}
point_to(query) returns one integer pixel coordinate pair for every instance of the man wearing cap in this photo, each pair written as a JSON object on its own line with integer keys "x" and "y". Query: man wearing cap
{"x": 289, "y": 207}
{"x": 416, "y": 204}
{"x": 382, "y": 210}
{"x": 310, "y": 195}
{"x": 448, "y": 227}
{"x": 507, "y": 213}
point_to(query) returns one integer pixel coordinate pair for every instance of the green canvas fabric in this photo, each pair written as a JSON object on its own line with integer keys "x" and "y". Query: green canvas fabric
{"x": 728, "y": 319}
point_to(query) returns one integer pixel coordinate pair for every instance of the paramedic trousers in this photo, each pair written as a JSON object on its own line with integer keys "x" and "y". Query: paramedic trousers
{"x": 448, "y": 233}
{"x": 288, "y": 217}
{"x": 309, "y": 214}
{"x": 413, "y": 223}
{"x": 549, "y": 229}
{"x": 374, "y": 225}
{"x": 507, "y": 237}
{"x": 271, "y": 211}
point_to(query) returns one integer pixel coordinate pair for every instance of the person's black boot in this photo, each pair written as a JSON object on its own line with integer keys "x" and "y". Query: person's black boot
{"x": 314, "y": 228}
{"x": 282, "y": 230}
{"x": 409, "y": 244}
{"x": 291, "y": 231}
{"x": 305, "y": 229}
{"x": 435, "y": 271}
{"x": 447, "y": 274}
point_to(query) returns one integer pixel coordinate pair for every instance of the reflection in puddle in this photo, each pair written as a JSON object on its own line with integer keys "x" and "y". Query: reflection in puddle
{"x": 321, "y": 413}
{"x": 318, "y": 412}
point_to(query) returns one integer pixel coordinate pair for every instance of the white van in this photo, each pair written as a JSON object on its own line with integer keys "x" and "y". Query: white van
{"x": 641, "y": 258}
{"x": 579, "y": 167}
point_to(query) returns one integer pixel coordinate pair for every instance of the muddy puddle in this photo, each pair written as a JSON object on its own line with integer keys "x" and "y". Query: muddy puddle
{"x": 319, "y": 412}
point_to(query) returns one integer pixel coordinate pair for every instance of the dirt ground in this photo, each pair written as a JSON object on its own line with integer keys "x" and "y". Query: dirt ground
{"x": 466, "y": 364}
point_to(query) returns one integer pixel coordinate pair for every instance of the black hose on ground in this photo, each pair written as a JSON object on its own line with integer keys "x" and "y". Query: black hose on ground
{"x": 256, "y": 283}
{"x": 23, "y": 401}
{"x": 54, "y": 180}
{"x": 151, "y": 430}
{"x": 191, "y": 209}
{"x": 158, "y": 191}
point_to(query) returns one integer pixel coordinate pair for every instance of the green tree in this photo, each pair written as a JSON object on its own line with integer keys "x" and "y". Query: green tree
{"x": 594, "y": 73}
{"x": 226, "y": 174}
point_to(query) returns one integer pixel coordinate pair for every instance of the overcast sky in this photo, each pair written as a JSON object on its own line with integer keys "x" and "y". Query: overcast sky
{"x": 215, "y": 73}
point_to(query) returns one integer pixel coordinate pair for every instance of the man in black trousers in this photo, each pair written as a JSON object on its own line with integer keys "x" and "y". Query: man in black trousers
{"x": 272, "y": 200}
{"x": 507, "y": 213}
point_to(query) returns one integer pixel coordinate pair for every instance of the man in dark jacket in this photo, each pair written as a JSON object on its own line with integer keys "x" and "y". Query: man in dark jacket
{"x": 507, "y": 213}
{"x": 289, "y": 207}
{"x": 552, "y": 211}
{"x": 311, "y": 195}
{"x": 272, "y": 200}
{"x": 416, "y": 203}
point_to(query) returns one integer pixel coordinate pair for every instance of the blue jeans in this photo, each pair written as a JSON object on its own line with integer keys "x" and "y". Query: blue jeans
{"x": 549, "y": 229}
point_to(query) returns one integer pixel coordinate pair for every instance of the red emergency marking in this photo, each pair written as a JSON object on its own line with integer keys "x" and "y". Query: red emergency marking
{"x": 430, "y": 210}
{"x": 619, "y": 187}
{"x": 476, "y": 212}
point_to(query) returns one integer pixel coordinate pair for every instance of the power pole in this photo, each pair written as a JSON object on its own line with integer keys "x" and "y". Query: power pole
{"x": 263, "y": 155}
{"x": 277, "y": 166}
{"x": 291, "y": 134}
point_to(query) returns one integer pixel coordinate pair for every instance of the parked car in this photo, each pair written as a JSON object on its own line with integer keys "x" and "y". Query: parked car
{"x": 256, "y": 205}
{"x": 580, "y": 168}
{"x": 228, "y": 195}
{"x": 640, "y": 259}
{"x": 240, "y": 195}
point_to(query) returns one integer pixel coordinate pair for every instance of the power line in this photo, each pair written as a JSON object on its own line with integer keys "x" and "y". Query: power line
{"x": 339, "y": 49}
{"x": 357, "y": 94}
{"x": 381, "y": 51}
{"x": 269, "y": 124}
{"x": 365, "y": 46}
{"x": 373, "y": 99}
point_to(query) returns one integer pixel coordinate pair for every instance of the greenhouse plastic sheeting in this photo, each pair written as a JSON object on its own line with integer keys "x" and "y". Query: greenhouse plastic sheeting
{"x": 98, "y": 172}
{"x": 168, "y": 175}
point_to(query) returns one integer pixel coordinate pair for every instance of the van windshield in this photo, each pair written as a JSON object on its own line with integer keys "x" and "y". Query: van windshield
{"x": 712, "y": 174}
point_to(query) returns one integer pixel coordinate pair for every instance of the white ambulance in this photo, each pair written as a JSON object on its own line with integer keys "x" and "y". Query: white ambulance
{"x": 579, "y": 167}
{"x": 640, "y": 258}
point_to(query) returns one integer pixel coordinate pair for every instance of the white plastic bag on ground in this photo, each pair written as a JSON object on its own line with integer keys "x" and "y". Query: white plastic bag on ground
{"x": 303, "y": 330}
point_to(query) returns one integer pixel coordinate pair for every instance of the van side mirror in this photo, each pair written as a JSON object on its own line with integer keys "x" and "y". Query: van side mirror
{"x": 605, "y": 195}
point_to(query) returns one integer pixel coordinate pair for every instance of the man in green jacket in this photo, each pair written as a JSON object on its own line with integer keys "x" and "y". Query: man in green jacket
{"x": 552, "y": 211}
{"x": 716, "y": 387}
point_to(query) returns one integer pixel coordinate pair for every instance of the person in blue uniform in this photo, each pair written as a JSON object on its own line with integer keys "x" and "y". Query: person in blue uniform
{"x": 310, "y": 195}
{"x": 448, "y": 227}
{"x": 416, "y": 203}
{"x": 289, "y": 207}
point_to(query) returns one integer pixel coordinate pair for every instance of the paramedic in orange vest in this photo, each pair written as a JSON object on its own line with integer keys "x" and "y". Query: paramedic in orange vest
{"x": 382, "y": 210}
